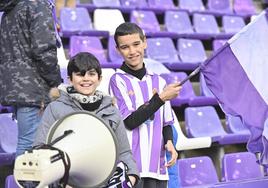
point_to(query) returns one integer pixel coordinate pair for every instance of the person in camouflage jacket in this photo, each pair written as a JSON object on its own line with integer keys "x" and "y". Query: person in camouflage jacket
{"x": 28, "y": 63}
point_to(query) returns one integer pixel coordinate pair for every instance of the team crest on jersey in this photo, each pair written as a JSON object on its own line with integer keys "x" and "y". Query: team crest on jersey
{"x": 131, "y": 93}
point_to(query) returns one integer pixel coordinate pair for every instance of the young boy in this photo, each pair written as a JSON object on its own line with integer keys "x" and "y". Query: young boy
{"x": 142, "y": 98}
{"x": 84, "y": 72}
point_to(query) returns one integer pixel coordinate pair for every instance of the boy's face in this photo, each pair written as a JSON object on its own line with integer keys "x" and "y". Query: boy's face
{"x": 85, "y": 84}
{"x": 131, "y": 47}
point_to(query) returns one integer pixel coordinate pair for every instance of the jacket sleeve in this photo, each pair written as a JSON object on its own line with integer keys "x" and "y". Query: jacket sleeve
{"x": 43, "y": 44}
{"x": 46, "y": 122}
{"x": 125, "y": 154}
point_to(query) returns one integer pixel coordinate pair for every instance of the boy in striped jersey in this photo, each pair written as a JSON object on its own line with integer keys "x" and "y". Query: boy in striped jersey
{"x": 143, "y": 100}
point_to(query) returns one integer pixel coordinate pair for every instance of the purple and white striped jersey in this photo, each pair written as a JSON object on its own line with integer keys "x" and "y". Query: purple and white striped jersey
{"x": 146, "y": 140}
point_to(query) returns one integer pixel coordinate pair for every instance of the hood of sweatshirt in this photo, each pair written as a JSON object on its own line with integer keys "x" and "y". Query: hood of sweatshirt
{"x": 7, "y": 5}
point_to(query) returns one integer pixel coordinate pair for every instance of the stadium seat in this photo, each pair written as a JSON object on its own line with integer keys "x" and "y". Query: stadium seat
{"x": 197, "y": 172}
{"x": 10, "y": 182}
{"x": 8, "y": 138}
{"x": 235, "y": 125}
{"x": 204, "y": 121}
{"x": 148, "y": 22}
{"x": 218, "y": 43}
{"x": 162, "y": 49}
{"x": 206, "y": 24}
{"x": 6, "y": 109}
{"x": 107, "y": 3}
{"x": 92, "y": 45}
{"x": 129, "y": 5}
{"x": 192, "y": 5}
{"x": 107, "y": 19}
{"x": 64, "y": 76}
{"x": 219, "y": 7}
{"x": 76, "y": 21}
{"x": 187, "y": 95}
{"x": 191, "y": 52}
{"x": 179, "y": 23}
{"x": 232, "y": 24}
{"x": 244, "y": 7}
{"x": 240, "y": 166}
{"x": 159, "y": 6}
{"x": 113, "y": 54}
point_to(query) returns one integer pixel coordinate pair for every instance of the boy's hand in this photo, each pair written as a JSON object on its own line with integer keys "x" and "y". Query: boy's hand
{"x": 170, "y": 91}
{"x": 132, "y": 180}
{"x": 174, "y": 155}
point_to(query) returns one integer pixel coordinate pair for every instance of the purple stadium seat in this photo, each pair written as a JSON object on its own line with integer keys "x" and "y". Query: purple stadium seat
{"x": 219, "y": 7}
{"x": 197, "y": 172}
{"x": 76, "y": 21}
{"x": 8, "y": 138}
{"x": 147, "y": 20}
{"x": 218, "y": 43}
{"x": 161, "y": 5}
{"x": 179, "y": 23}
{"x": 232, "y": 24}
{"x": 10, "y": 182}
{"x": 240, "y": 166}
{"x": 92, "y": 45}
{"x": 129, "y": 5}
{"x": 88, "y": 4}
{"x": 187, "y": 95}
{"x": 192, "y": 5}
{"x": 113, "y": 55}
{"x": 244, "y": 7}
{"x": 191, "y": 52}
{"x": 6, "y": 109}
{"x": 162, "y": 49}
{"x": 64, "y": 76}
{"x": 235, "y": 125}
{"x": 206, "y": 24}
{"x": 204, "y": 121}
{"x": 107, "y": 3}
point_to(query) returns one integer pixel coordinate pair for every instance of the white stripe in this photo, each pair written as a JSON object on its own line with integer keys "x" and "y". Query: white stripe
{"x": 250, "y": 47}
{"x": 123, "y": 90}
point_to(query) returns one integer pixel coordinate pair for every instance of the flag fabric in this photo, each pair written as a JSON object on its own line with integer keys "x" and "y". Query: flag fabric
{"x": 237, "y": 74}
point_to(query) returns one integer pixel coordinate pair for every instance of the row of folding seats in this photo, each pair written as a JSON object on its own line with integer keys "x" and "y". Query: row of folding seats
{"x": 77, "y": 21}
{"x": 240, "y": 7}
{"x": 238, "y": 170}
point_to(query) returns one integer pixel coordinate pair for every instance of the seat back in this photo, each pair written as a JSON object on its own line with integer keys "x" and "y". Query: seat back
{"x": 232, "y": 24}
{"x": 235, "y": 125}
{"x": 161, "y": 49}
{"x": 146, "y": 20}
{"x": 166, "y": 4}
{"x": 244, "y": 7}
{"x": 107, "y": 19}
{"x": 217, "y": 43}
{"x": 205, "y": 24}
{"x": 221, "y": 6}
{"x": 134, "y": 3}
{"x": 106, "y": 3}
{"x": 75, "y": 21}
{"x": 178, "y": 22}
{"x": 240, "y": 166}
{"x": 191, "y": 50}
{"x": 197, "y": 171}
{"x": 192, "y": 5}
{"x": 203, "y": 121}
{"x": 113, "y": 54}
{"x": 87, "y": 44}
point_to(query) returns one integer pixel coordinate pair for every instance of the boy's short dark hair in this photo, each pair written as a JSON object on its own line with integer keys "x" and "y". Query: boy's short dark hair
{"x": 83, "y": 62}
{"x": 128, "y": 28}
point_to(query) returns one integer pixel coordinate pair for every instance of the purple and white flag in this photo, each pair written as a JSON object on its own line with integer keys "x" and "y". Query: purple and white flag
{"x": 237, "y": 74}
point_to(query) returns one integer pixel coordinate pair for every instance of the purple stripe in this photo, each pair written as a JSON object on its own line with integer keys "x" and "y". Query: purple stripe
{"x": 157, "y": 133}
{"x": 237, "y": 95}
{"x": 136, "y": 150}
{"x": 129, "y": 89}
